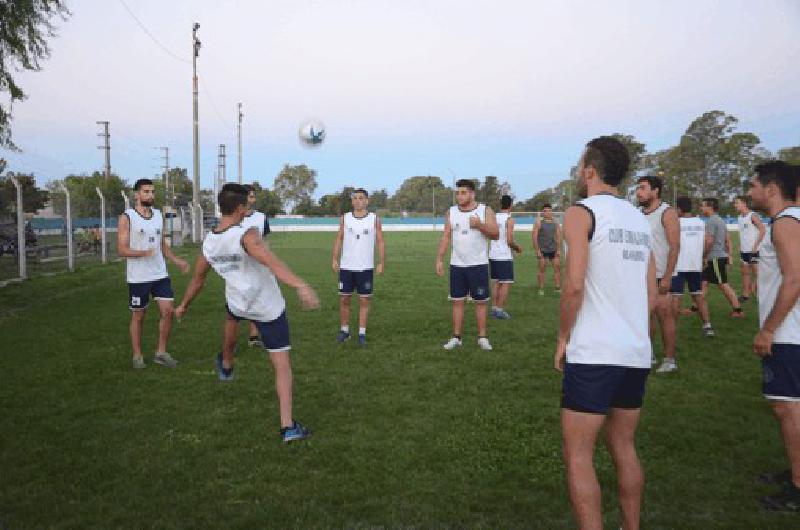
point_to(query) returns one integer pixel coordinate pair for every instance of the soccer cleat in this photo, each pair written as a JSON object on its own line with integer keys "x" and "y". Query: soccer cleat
{"x": 165, "y": 359}
{"x": 493, "y": 312}
{"x": 255, "y": 341}
{"x": 483, "y": 343}
{"x": 502, "y": 314}
{"x": 787, "y": 500}
{"x": 138, "y": 363}
{"x": 362, "y": 340}
{"x": 342, "y": 336}
{"x": 709, "y": 332}
{"x": 222, "y": 373}
{"x": 737, "y": 313}
{"x": 297, "y": 431}
{"x": 667, "y": 366}
{"x": 453, "y": 343}
{"x": 779, "y": 478}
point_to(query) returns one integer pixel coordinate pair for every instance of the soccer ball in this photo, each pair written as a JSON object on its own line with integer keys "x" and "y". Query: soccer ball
{"x": 311, "y": 133}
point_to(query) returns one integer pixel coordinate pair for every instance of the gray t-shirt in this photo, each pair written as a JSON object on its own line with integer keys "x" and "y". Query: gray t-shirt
{"x": 547, "y": 236}
{"x": 717, "y": 229}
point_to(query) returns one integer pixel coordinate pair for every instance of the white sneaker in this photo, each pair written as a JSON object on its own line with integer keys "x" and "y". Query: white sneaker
{"x": 667, "y": 366}
{"x": 452, "y": 344}
{"x": 483, "y": 343}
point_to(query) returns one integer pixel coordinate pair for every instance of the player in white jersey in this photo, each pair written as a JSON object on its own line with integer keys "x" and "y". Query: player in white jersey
{"x": 774, "y": 191}
{"x": 666, "y": 243}
{"x": 251, "y": 273}
{"x": 259, "y": 221}
{"x": 141, "y": 241}
{"x": 501, "y": 259}
{"x": 354, "y": 261}
{"x": 603, "y": 344}
{"x": 469, "y": 226}
{"x": 751, "y": 234}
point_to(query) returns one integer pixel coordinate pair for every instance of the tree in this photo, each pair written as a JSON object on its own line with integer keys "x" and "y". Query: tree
{"x": 24, "y": 30}
{"x": 306, "y": 206}
{"x": 378, "y": 199}
{"x": 417, "y": 194}
{"x": 295, "y": 184}
{"x": 267, "y": 201}
{"x": 84, "y": 199}
{"x": 33, "y": 198}
{"x": 790, "y": 154}
{"x": 491, "y": 190}
{"x": 559, "y": 197}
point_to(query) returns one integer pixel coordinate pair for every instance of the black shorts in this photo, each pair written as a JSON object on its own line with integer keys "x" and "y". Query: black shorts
{"x": 595, "y": 388}
{"x": 274, "y": 334}
{"x": 749, "y": 258}
{"x": 716, "y": 271}
{"x": 359, "y": 281}
{"x": 502, "y": 270}
{"x": 469, "y": 281}
{"x": 549, "y": 255}
{"x": 781, "y": 373}
{"x": 139, "y": 293}
{"x": 694, "y": 280}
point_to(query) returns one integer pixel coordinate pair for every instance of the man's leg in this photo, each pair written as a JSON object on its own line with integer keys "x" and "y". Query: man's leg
{"x": 137, "y": 320}
{"x": 481, "y": 311}
{"x": 502, "y": 294}
{"x": 557, "y": 272}
{"x": 253, "y": 332}
{"x": 579, "y": 432}
{"x": 344, "y": 310}
{"x": 164, "y": 324}
{"x": 540, "y": 274}
{"x": 754, "y": 283}
{"x": 666, "y": 320}
{"x": 496, "y": 293}
{"x": 746, "y": 285}
{"x": 283, "y": 384}
{"x": 702, "y": 307}
{"x": 621, "y": 440}
{"x": 363, "y": 312}
{"x": 730, "y": 294}
{"x": 458, "y": 317}
{"x": 230, "y": 331}
{"x": 788, "y": 414}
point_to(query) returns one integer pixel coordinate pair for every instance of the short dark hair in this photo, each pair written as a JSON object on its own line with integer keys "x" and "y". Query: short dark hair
{"x": 713, "y": 202}
{"x": 361, "y": 190}
{"x": 609, "y": 157}
{"x": 745, "y": 199}
{"x": 684, "y": 204}
{"x": 547, "y": 205}
{"x": 506, "y": 201}
{"x": 465, "y": 183}
{"x": 656, "y": 183}
{"x": 142, "y": 182}
{"x": 230, "y": 196}
{"x": 782, "y": 174}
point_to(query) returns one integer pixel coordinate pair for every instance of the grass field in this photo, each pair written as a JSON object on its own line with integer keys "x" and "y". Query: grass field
{"x": 406, "y": 434}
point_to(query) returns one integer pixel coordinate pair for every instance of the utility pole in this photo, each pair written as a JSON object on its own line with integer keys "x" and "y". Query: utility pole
{"x": 196, "y": 217}
{"x": 107, "y": 147}
{"x": 239, "y": 134}
{"x": 223, "y": 178}
{"x": 168, "y": 192}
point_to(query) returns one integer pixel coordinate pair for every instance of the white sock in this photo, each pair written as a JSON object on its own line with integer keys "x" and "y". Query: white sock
{"x": 346, "y": 329}
{"x": 707, "y": 325}
{"x": 362, "y": 331}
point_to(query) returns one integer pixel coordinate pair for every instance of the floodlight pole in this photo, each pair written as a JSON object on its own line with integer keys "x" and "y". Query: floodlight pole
{"x": 70, "y": 253}
{"x": 102, "y": 225}
{"x": 23, "y": 273}
{"x": 196, "y": 224}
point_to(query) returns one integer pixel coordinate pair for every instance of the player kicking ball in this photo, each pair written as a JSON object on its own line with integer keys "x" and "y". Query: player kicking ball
{"x": 251, "y": 271}
{"x": 359, "y": 231}
{"x": 469, "y": 225}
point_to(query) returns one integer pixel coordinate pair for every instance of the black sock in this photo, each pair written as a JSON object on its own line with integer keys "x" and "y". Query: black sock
{"x": 457, "y": 337}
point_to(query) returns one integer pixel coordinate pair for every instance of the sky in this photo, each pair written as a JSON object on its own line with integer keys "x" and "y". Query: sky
{"x": 463, "y": 88}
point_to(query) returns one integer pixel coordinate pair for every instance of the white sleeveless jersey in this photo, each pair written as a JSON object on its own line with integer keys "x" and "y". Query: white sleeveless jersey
{"x": 659, "y": 244}
{"x": 612, "y": 326}
{"x": 499, "y": 250}
{"x": 251, "y": 289}
{"x": 358, "y": 248}
{"x": 255, "y": 220}
{"x": 769, "y": 281}
{"x": 145, "y": 234}
{"x": 470, "y": 246}
{"x": 748, "y": 233}
{"x": 693, "y": 236}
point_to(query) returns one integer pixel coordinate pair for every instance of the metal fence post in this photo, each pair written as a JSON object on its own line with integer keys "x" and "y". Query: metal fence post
{"x": 70, "y": 252}
{"x": 126, "y": 199}
{"x": 102, "y": 225}
{"x": 23, "y": 272}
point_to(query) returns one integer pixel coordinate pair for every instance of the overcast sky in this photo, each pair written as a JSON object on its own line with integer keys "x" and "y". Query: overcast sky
{"x": 412, "y": 87}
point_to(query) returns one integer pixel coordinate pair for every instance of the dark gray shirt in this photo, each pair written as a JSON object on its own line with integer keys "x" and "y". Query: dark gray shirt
{"x": 547, "y": 236}
{"x": 716, "y": 228}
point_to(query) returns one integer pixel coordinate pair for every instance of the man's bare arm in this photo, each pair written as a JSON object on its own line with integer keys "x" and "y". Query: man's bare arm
{"x": 124, "y": 249}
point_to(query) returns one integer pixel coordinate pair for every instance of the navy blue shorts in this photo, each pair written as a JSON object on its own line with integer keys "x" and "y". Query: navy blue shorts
{"x": 781, "y": 372}
{"x": 469, "y": 281}
{"x": 274, "y": 334}
{"x": 749, "y": 258}
{"x": 549, "y": 255}
{"x": 139, "y": 293}
{"x": 359, "y": 281}
{"x": 694, "y": 280}
{"x": 502, "y": 270}
{"x": 595, "y": 388}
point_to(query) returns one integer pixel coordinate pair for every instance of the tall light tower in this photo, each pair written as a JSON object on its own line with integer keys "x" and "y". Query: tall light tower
{"x": 239, "y": 134}
{"x": 196, "y": 215}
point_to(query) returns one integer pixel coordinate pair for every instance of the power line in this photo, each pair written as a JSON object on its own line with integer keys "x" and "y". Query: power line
{"x": 152, "y": 37}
